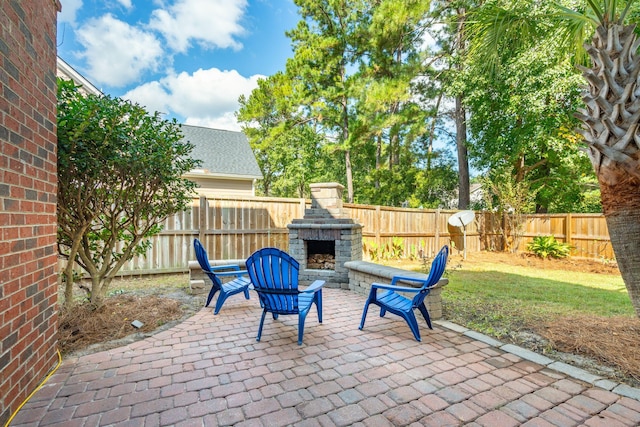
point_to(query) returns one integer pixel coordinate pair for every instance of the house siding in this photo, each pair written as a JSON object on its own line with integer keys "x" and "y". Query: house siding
{"x": 28, "y": 187}
{"x": 212, "y": 187}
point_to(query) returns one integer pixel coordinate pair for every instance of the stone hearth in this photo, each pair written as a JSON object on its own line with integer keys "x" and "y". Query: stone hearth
{"x": 325, "y": 229}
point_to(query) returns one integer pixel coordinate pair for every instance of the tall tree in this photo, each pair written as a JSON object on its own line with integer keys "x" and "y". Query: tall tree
{"x": 522, "y": 123}
{"x": 390, "y": 61}
{"x": 119, "y": 177}
{"x": 287, "y": 147}
{"x": 322, "y": 44}
{"x": 611, "y": 112}
{"x": 464, "y": 188}
{"x": 450, "y": 36}
{"x": 350, "y": 86}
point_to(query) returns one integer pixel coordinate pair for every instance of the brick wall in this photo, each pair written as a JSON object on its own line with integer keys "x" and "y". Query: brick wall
{"x": 28, "y": 186}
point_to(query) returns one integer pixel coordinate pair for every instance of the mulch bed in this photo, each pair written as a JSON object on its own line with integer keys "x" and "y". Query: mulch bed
{"x": 612, "y": 341}
{"x": 84, "y": 325}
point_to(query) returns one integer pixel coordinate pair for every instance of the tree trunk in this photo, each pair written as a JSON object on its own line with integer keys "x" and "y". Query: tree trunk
{"x": 611, "y": 119}
{"x": 464, "y": 191}
{"x": 378, "y": 160}
{"x": 464, "y": 196}
{"x": 68, "y": 284}
{"x": 347, "y": 158}
{"x": 68, "y": 273}
{"x": 621, "y": 204}
{"x": 347, "y": 153}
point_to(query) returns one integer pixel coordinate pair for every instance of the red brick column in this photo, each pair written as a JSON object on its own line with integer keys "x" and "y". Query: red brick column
{"x": 28, "y": 187}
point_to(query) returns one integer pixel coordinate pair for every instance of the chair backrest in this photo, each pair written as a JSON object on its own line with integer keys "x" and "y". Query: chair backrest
{"x": 435, "y": 274}
{"x": 203, "y": 260}
{"x": 274, "y": 274}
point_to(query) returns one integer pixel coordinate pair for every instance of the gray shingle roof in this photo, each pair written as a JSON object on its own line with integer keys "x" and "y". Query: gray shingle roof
{"x": 222, "y": 151}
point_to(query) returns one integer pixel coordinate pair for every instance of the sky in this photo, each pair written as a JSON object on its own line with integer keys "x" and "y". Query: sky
{"x": 188, "y": 59}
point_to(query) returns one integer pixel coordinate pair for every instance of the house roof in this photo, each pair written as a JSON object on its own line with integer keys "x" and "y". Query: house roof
{"x": 67, "y": 72}
{"x": 223, "y": 152}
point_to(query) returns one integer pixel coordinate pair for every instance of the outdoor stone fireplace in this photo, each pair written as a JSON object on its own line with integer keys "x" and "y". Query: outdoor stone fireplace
{"x": 325, "y": 238}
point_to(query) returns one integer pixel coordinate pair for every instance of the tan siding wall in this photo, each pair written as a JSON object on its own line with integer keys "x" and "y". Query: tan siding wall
{"x": 213, "y": 187}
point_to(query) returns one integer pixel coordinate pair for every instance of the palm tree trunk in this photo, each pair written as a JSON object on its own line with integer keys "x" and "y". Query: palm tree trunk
{"x": 621, "y": 203}
{"x": 611, "y": 122}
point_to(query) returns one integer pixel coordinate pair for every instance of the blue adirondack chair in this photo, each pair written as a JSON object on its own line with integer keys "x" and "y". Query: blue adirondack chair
{"x": 274, "y": 275}
{"x": 239, "y": 284}
{"x": 390, "y": 300}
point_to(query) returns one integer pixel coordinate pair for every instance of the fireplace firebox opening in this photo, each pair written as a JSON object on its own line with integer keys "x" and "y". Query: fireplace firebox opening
{"x": 321, "y": 254}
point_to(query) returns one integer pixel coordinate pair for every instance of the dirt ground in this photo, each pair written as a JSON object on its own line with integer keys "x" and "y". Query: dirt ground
{"x": 530, "y": 260}
{"x": 606, "y": 346}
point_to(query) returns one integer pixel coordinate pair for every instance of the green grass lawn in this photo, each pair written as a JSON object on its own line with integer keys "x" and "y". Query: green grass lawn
{"x": 499, "y": 299}
{"x": 554, "y": 290}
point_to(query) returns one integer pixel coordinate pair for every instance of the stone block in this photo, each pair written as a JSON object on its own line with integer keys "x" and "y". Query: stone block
{"x": 362, "y": 274}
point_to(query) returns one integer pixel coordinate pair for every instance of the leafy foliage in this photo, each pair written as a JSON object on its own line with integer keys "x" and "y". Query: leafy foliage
{"x": 347, "y": 107}
{"x": 522, "y": 122}
{"x": 363, "y": 99}
{"x": 604, "y": 33}
{"x": 511, "y": 199}
{"x": 119, "y": 176}
{"x": 548, "y": 246}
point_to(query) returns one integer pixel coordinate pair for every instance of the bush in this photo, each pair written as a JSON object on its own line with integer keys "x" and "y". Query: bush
{"x": 548, "y": 246}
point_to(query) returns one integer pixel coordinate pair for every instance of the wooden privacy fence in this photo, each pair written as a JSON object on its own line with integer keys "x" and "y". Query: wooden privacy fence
{"x": 587, "y": 234}
{"x": 233, "y": 228}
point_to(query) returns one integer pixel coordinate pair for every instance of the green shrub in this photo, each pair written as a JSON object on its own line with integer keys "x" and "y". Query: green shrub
{"x": 548, "y": 246}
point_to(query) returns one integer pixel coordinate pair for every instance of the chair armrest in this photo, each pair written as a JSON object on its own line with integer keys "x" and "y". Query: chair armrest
{"x": 233, "y": 267}
{"x": 394, "y": 288}
{"x": 231, "y": 273}
{"x": 314, "y": 286}
{"x": 396, "y": 279}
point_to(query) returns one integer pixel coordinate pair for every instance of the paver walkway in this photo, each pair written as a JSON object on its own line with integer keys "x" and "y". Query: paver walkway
{"x": 210, "y": 371}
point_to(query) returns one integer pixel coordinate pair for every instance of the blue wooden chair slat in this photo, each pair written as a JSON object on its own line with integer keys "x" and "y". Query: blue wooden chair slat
{"x": 238, "y": 285}
{"x": 275, "y": 275}
{"x": 388, "y": 298}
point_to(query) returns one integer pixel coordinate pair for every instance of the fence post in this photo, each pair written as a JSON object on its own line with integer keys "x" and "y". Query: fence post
{"x": 437, "y": 232}
{"x": 202, "y": 220}
{"x": 568, "y": 230}
{"x": 379, "y": 220}
{"x": 505, "y": 243}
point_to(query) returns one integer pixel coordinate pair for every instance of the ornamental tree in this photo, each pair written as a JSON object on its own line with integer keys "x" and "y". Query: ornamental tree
{"x": 119, "y": 177}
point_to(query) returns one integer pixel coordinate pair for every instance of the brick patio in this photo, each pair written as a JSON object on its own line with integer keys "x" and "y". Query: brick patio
{"x": 210, "y": 371}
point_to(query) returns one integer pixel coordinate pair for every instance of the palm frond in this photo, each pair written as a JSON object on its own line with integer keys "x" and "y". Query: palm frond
{"x": 596, "y": 9}
{"x": 573, "y": 29}
{"x": 623, "y": 15}
{"x": 490, "y": 28}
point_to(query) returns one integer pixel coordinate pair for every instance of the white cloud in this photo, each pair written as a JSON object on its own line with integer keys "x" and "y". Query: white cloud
{"x": 126, "y": 3}
{"x": 116, "y": 53}
{"x": 152, "y": 96}
{"x": 225, "y": 122}
{"x": 210, "y": 23}
{"x": 205, "y": 98}
{"x": 69, "y": 10}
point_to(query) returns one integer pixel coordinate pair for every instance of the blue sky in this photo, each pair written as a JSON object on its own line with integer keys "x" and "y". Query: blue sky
{"x": 189, "y": 59}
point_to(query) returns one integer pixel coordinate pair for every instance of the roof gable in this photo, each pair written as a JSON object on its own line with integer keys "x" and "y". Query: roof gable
{"x": 67, "y": 72}
{"x": 222, "y": 152}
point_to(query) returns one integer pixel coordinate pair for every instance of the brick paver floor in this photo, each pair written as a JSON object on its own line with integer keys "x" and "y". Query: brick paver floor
{"x": 210, "y": 371}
